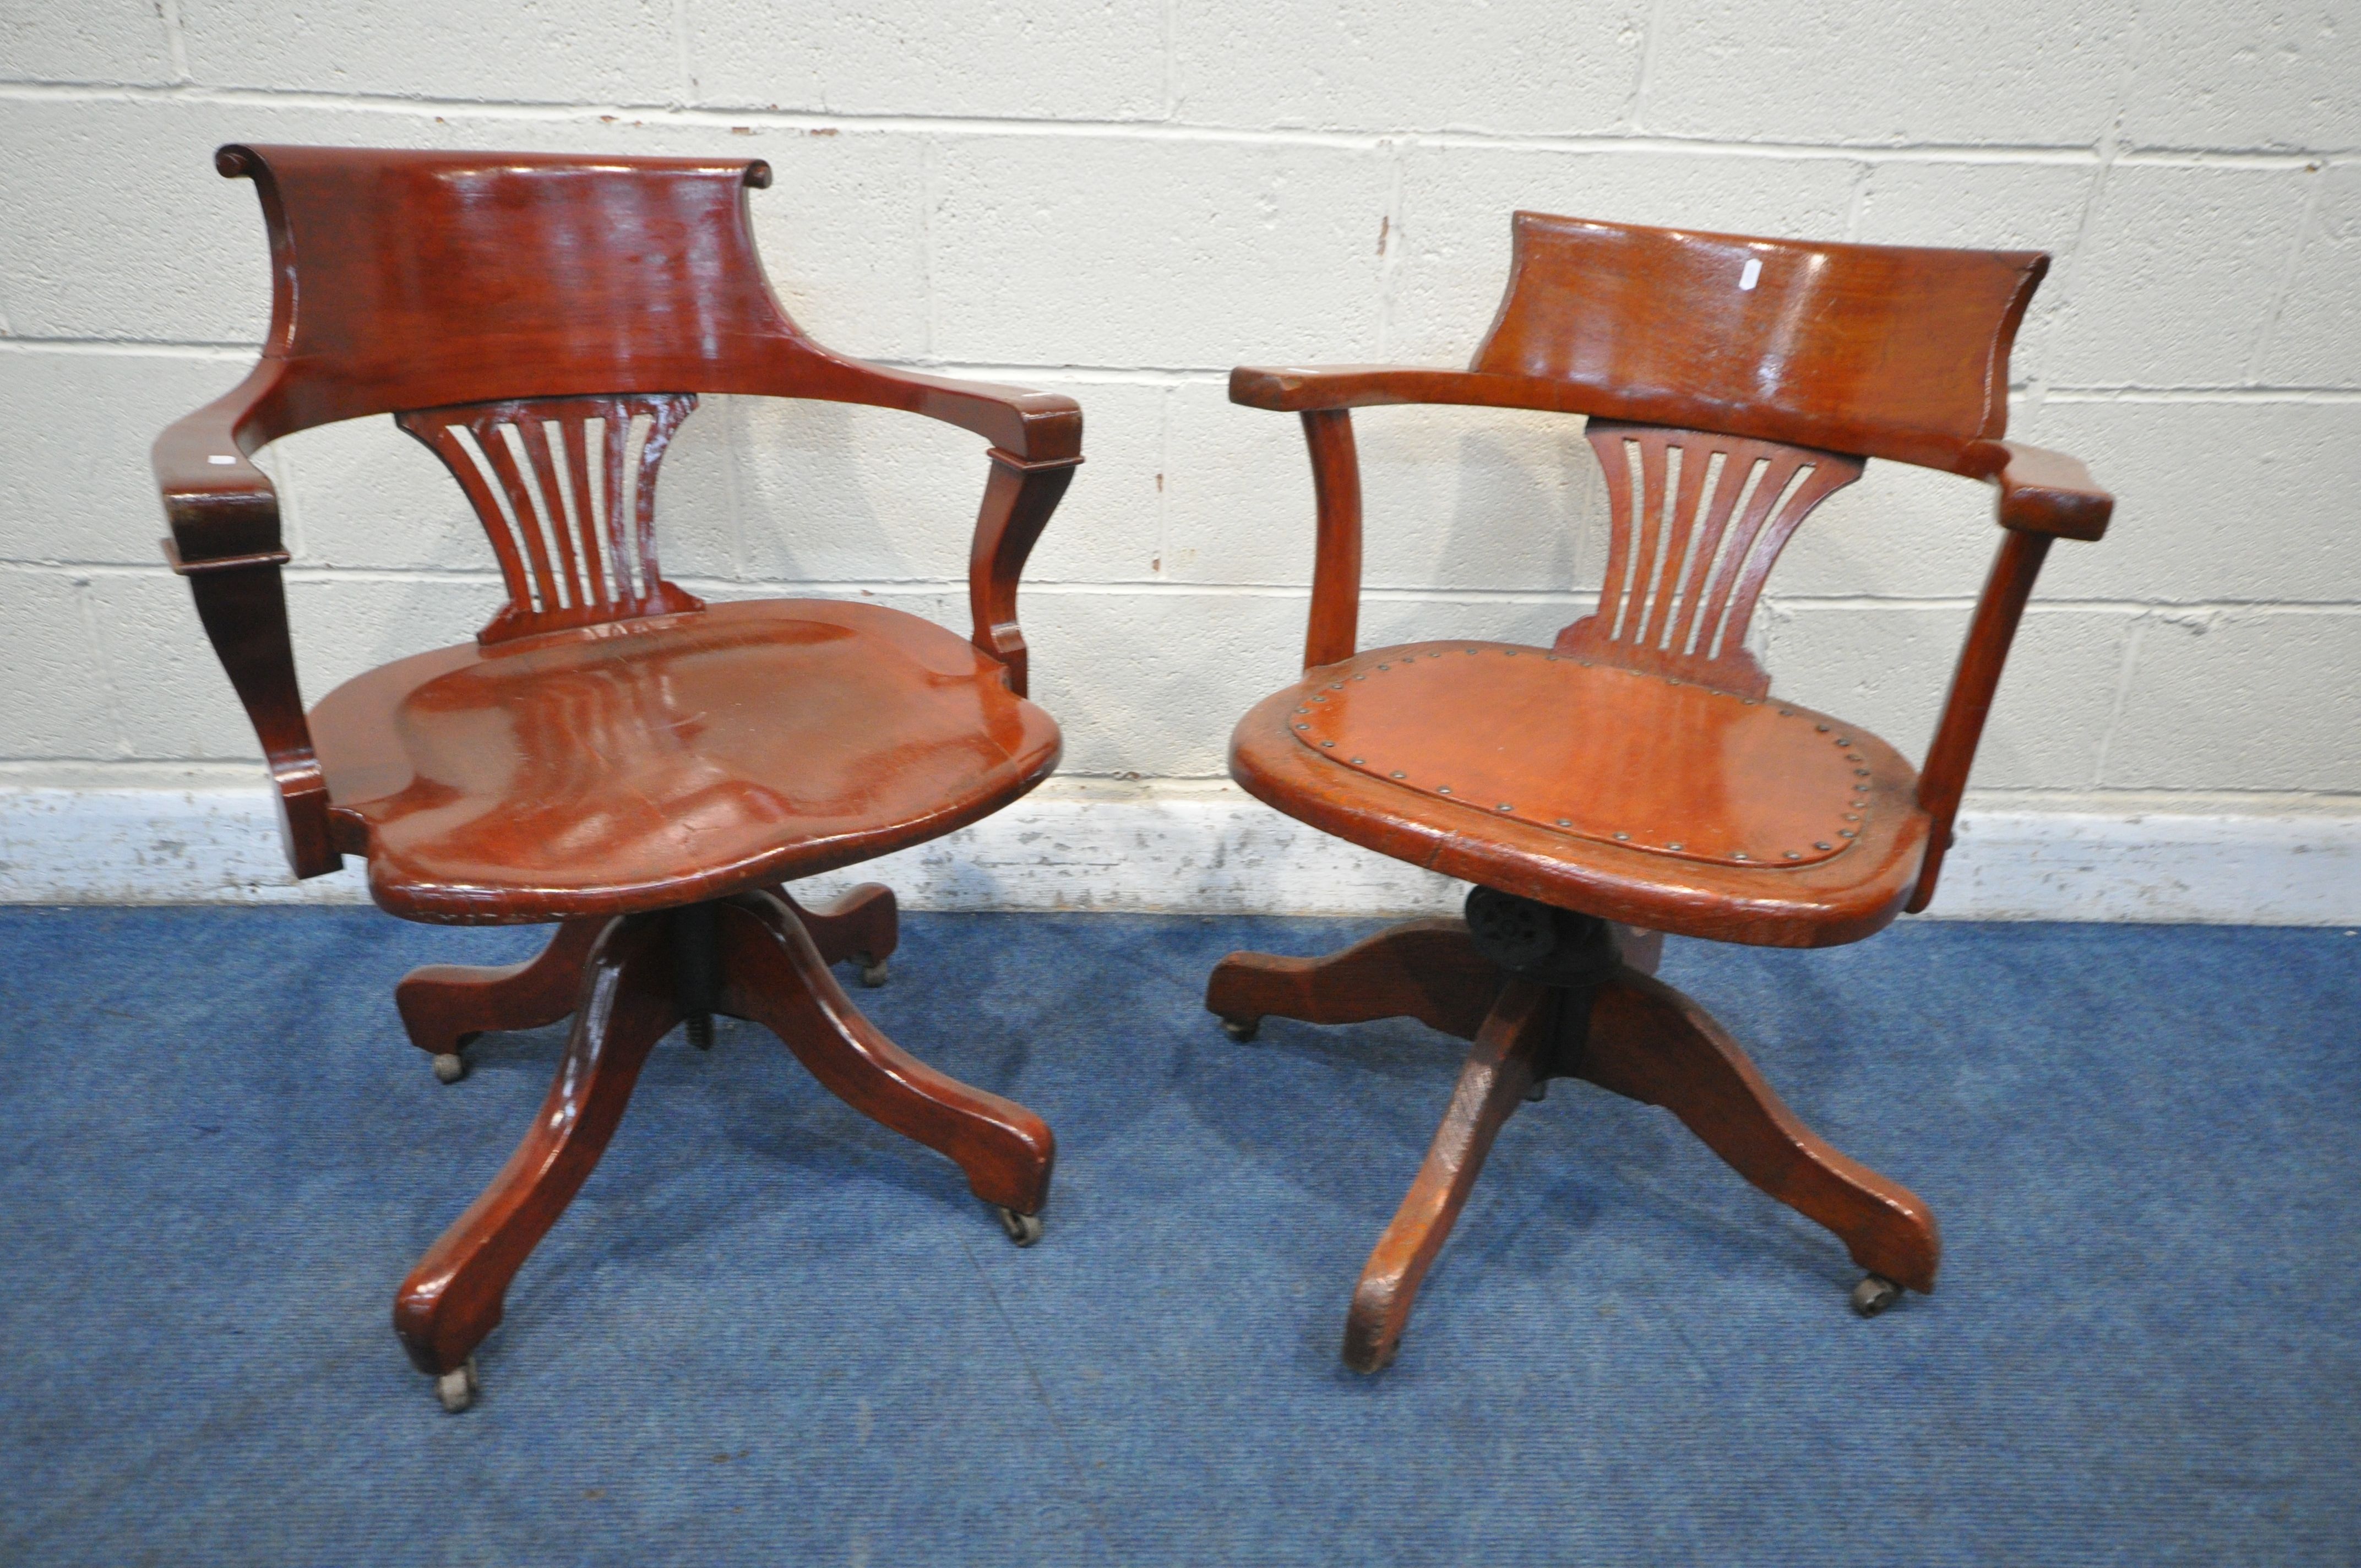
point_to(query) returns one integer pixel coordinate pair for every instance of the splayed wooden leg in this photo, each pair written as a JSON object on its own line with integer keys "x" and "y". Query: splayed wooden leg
{"x": 864, "y": 924}
{"x": 454, "y": 1298}
{"x": 446, "y": 1005}
{"x": 775, "y": 975}
{"x": 1426, "y": 969}
{"x": 1513, "y": 1048}
{"x": 1650, "y": 1042}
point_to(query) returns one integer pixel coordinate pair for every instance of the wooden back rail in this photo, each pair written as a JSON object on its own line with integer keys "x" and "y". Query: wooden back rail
{"x": 573, "y": 551}
{"x": 447, "y": 287}
{"x": 1772, "y": 368}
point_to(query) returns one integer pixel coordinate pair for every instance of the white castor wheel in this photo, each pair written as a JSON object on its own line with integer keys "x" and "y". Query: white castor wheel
{"x": 1874, "y": 1294}
{"x": 872, "y": 975}
{"x": 1022, "y": 1228}
{"x": 450, "y": 1066}
{"x": 457, "y": 1388}
{"x": 1241, "y": 1029}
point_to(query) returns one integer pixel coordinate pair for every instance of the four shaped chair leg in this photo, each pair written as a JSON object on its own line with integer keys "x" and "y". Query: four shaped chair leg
{"x": 1639, "y": 1037}
{"x": 754, "y": 960}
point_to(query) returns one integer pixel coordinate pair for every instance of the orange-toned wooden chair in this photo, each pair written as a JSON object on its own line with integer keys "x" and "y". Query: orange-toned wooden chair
{"x": 1637, "y": 777}
{"x": 611, "y": 753}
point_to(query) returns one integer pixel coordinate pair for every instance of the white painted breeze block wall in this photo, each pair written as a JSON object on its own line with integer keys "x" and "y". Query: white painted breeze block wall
{"x": 1120, "y": 199}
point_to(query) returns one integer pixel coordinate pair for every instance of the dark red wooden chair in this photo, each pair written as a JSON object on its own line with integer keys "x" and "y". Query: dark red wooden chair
{"x": 611, "y": 753}
{"x": 1637, "y": 777}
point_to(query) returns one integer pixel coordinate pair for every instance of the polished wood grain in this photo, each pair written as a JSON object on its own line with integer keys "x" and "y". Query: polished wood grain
{"x": 404, "y": 281}
{"x": 1650, "y": 1043}
{"x": 1640, "y": 768}
{"x": 458, "y": 1291}
{"x": 774, "y": 976}
{"x": 599, "y": 772}
{"x": 575, "y": 540}
{"x": 444, "y": 1007}
{"x": 1512, "y": 1054}
{"x": 1690, "y": 544}
{"x": 1638, "y": 1037}
{"x": 1423, "y": 969}
{"x": 610, "y": 754}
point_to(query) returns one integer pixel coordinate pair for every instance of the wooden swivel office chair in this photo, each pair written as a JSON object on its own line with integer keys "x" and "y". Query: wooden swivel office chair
{"x": 611, "y": 753}
{"x": 1637, "y": 777}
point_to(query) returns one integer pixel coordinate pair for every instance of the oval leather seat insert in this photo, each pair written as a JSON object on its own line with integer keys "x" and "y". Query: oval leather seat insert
{"x": 1597, "y": 752}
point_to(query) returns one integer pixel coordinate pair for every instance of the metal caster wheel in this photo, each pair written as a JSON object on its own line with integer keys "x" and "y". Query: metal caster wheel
{"x": 1241, "y": 1029}
{"x": 450, "y": 1066}
{"x": 457, "y": 1388}
{"x": 1874, "y": 1294}
{"x": 1022, "y": 1228}
{"x": 872, "y": 975}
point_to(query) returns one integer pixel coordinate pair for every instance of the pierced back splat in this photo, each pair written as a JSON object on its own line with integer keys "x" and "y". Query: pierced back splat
{"x": 1697, "y": 521}
{"x": 565, "y": 488}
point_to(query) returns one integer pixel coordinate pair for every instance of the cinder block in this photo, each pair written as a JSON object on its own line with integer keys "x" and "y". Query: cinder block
{"x": 1452, "y": 498}
{"x": 175, "y": 701}
{"x": 1888, "y": 668}
{"x": 2177, "y": 277}
{"x": 1082, "y": 59}
{"x": 1452, "y": 233}
{"x": 2229, "y": 77}
{"x": 598, "y": 51}
{"x": 54, "y": 703}
{"x": 162, "y": 248}
{"x": 1151, "y": 684}
{"x": 2242, "y": 699}
{"x": 2215, "y": 501}
{"x": 837, "y": 493}
{"x": 365, "y": 493}
{"x": 1867, "y": 70}
{"x": 1988, "y": 207}
{"x": 92, "y": 40}
{"x": 346, "y": 624}
{"x": 1110, "y": 251}
{"x": 79, "y": 425}
{"x": 1367, "y": 65}
{"x": 2316, "y": 341}
{"x": 1898, "y": 532}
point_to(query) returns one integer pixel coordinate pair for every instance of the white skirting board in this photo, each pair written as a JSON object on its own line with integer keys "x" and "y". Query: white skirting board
{"x": 1212, "y": 849}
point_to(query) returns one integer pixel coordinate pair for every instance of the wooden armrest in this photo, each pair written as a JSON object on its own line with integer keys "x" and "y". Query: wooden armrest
{"x": 2042, "y": 491}
{"x": 1296, "y": 390}
{"x": 225, "y": 543}
{"x": 1032, "y": 427}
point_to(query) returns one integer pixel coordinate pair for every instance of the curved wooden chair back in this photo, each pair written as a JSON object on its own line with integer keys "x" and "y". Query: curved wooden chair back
{"x": 543, "y": 322}
{"x": 1732, "y": 384}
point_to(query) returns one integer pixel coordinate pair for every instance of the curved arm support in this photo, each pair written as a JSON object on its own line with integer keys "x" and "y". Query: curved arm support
{"x": 1017, "y": 501}
{"x": 1945, "y": 778}
{"x": 1033, "y": 427}
{"x": 2044, "y": 492}
{"x": 1334, "y": 630}
{"x": 225, "y": 541}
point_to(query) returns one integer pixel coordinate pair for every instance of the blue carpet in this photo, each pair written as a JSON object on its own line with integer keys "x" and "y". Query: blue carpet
{"x": 769, "y": 1332}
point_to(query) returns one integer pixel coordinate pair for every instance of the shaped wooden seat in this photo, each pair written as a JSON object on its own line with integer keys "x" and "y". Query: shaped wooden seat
{"x": 1644, "y": 798}
{"x": 580, "y": 773}
{"x": 1638, "y": 776}
{"x": 611, "y": 753}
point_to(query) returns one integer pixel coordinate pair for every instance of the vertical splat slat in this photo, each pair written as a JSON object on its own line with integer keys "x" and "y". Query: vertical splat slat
{"x": 1683, "y": 572}
{"x": 558, "y": 569}
{"x": 585, "y": 516}
{"x": 493, "y": 442}
{"x": 1680, "y": 524}
{"x": 1735, "y": 471}
{"x": 535, "y": 434}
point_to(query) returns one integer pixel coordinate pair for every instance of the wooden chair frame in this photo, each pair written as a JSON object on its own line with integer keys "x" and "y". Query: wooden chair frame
{"x": 458, "y": 291}
{"x": 1675, "y": 335}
